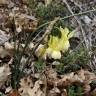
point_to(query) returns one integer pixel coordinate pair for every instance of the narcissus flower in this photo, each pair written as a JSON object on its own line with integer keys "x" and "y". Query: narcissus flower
{"x": 56, "y": 44}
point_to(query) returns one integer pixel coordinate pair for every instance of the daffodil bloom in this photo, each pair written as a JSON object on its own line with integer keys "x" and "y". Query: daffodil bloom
{"x": 64, "y": 40}
{"x": 56, "y": 45}
{"x": 52, "y": 50}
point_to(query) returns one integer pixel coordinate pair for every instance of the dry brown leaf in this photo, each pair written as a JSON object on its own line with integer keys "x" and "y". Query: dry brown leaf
{"x": 65, "y": 80}
{"x": 54, "y": 92}
{"x": 3, "y": 52}
{"x": 59, "y": 83}
{"x": 76, "y": 78}
{"x": 81, "y": 74}
{"x": 3, "y": 36}
{"x": 71, "y": 78}
{"x": 86, "y": 88}
{"x": 36, "y": 90}
{"x": 8, "y": 46}
{"x": 4, "y": 74}
{"x": 13, "y": 93}
{"x": 89, "y": 76}
{"x": 64, "y": 93}
{"x": 29, "y": 23}
{"x": 26, "y": 85}
{"x": 7, "y": 50}
{"x": 51, "y": 74}
{"x": 80, "y": 77}
{"x": 93, "y": 93}
{"x": 28, "y": 89}
{"x": 25, "y": 1}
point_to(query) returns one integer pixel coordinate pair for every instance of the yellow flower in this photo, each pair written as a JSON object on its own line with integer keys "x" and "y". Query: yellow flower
{"x": 56, "y": 45}
{"x": 64, "y": 40}
{"x": 53, "y": 53}
{"x": 53, "y": 42}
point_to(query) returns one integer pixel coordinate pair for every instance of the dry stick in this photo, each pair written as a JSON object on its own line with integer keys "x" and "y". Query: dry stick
{"x": 77, "y": 14}
{"x": 82, "y": 31}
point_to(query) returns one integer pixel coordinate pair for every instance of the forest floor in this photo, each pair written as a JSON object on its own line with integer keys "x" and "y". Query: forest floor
{"x": 47, "y": 47}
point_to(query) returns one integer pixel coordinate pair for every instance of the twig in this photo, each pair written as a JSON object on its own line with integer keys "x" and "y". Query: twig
{"x": 77, "y": 14}
{"x": 29, "y": 17}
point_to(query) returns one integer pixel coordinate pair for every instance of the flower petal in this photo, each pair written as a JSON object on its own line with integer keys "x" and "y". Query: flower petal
{"x": 70, "y": 35}
{"x": 56, "y": 55}
{"x": 66, "y": 46}
{"x": 48, "y": 52}
{"x": 40, "y": 51}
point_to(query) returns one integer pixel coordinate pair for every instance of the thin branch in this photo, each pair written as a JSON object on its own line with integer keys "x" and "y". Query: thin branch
{"x": 77, "y": 14}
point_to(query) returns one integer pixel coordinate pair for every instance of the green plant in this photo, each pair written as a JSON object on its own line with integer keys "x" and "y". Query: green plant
{"x": 48, "y": 13}
{"x": 73, "y": 61}
{"x": 17, "y": 56}
{"x": 32, "y": 4}
{"x": 39, "y": 65}
{"x": 75, "y": 91}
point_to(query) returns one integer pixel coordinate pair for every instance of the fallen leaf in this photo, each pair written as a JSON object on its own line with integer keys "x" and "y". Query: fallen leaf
{"x": 28, "y": 89}
{"x": 54, "y": 92}
{"x": 4, "y": 74}
{"x": 93, "y": 93}
{"x": 64, "y": 93}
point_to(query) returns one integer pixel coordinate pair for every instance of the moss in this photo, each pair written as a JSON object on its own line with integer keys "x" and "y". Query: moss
{"x": 52, "y": 10}
{"x": 75, "y": 91}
